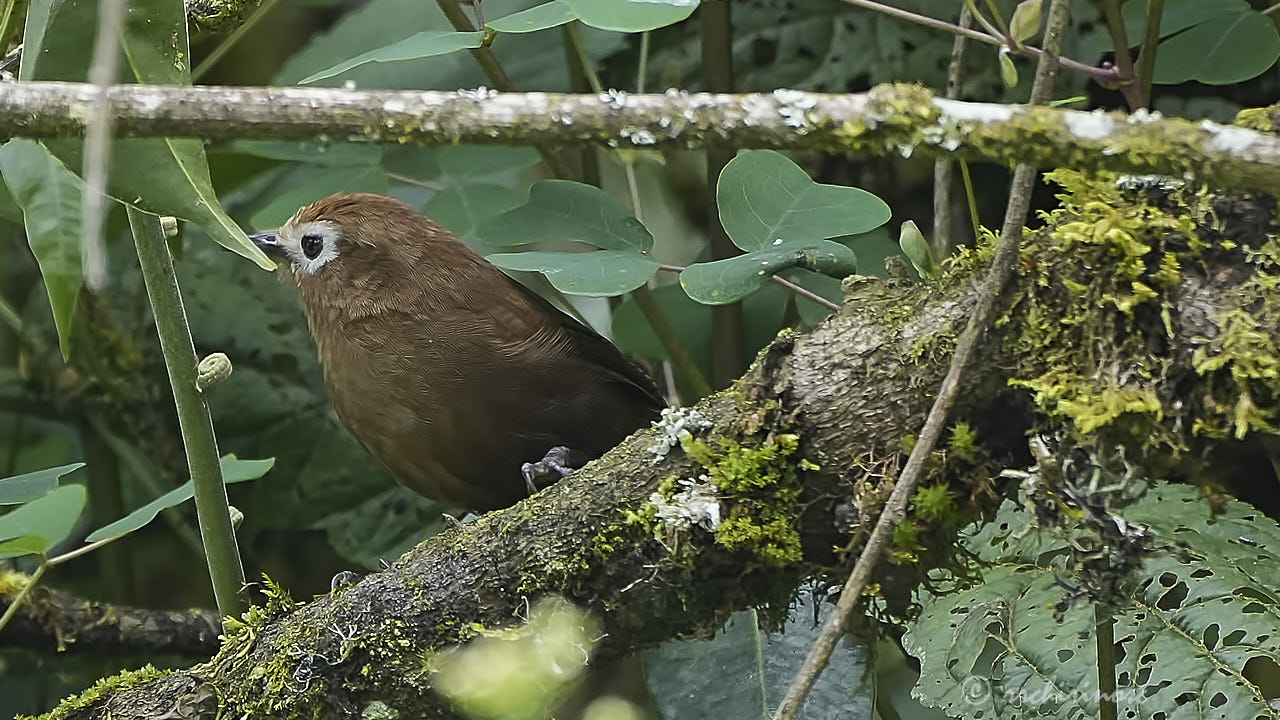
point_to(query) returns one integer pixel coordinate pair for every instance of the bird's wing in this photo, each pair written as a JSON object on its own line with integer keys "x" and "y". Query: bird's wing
{"x": 585, "y": 343}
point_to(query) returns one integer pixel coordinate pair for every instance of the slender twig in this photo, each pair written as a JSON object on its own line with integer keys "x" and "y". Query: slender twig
{"x": 642, "y": 68}
{"x": 792, "y": 286}
{"x": 804, "y": 291}
{"x": 233, "y": 39}
{"x": 501, "y": 81}
{"x": 1104, "y": 628}
{"x": 10, "y": 316}
{"x": 728, "y": 331}
{"x": 992, "y": 30}
{"x": 972, "y": 197}
{"x": 1129, "y": 86}
{"x": 681, "y": 361}
{"x": 97, "y": 141}
{"x": 944, "y": 167}
{"x": 1150, "y": 45}
{"x": 18, "y": 599}
{"x": 409, "y": 180}
{"x": 1108, "y": 75}
{"x": 579, "y": 49}
{"x": 216, "y": 532}
{"x": 1002, "y": 266}
{"x": 5, "y": 15}
{"x": 1004, "y": 27}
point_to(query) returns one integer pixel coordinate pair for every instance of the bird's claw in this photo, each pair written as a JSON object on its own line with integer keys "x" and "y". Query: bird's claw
{"x": 557, "y": 460}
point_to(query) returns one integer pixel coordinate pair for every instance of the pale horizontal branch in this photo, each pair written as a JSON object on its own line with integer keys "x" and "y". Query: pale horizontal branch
{"x": 889, "y": 119}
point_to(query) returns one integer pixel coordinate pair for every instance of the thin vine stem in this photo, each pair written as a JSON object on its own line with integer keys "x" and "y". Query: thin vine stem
{"x": 224, "y": 47}
{"x": 21, "y": 597}
{"x": 1002, "y": 267}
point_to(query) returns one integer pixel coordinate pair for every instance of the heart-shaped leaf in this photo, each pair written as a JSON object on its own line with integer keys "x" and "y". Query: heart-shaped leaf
{"x": 631, "y": 15}
{"x": 420, "y": 45}
{"x": 541, "y": 17}
{"x": 234, "y": 470}
{"x": 1223, "y": 50}
{"x": 562, "y": 210}
{"x": 164, "y": 176}
{"x": 602, "y": 273}
{"x": 35, "y": 527}
{"x": 726, "y": 281}
{"x": 765, "y": 198}
{"x": 50, "y": 197}
{"x": 463, "y": 206}
{"x": 24, "y": 488}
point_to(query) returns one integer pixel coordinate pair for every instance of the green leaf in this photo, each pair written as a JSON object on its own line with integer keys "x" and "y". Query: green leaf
{"x": 631, "y": 15}
{"x": 421, "y": 45}
{"x": 463, "y": 206}
{"x": 234, "y": 470}
{"x": 546, "y": 15}
{"x": 164, "y": 176}
{"x": 1223, "y": 50}
{"x": 24, "y": 488}
{"x": 562, "y": 210}
{"x": 50, "y": 197}
{"x": 469, "y": 162}
{"x": 917, "y": 250}
{"x": 1026, "y": 20}
{"x": 601, "y": 273}
{"x": 1204, "y": 616}
{"x": 724, "y": 281}
{"x": 764, "y": 197}
{"x": 41, "y": 523}
{"x": 1008, "y": 70}
{"x": 321, "y": 182}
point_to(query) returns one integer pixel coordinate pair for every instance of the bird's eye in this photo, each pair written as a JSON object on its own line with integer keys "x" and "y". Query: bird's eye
{"x": 312, "y": 244}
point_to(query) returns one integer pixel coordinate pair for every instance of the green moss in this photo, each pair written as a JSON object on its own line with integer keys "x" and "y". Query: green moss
{"x": 1092, "y": 321}
{"x": 759, "y": 485}
{"x": 12, "y": 582}
{"x": 104, "y": 688}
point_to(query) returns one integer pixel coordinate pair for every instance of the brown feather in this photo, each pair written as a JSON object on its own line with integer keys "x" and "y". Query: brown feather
{"x": 449, "y": 372}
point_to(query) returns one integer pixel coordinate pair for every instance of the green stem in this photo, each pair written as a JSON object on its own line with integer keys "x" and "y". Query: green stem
{"x": 498, "y": 77}
{"x": 1150, "y": 41}
{"x": 579, "y": 49}
{"x": 232, "y": 40}
{"x": 220, "y": 551}
{"x": 972, "y": 197}
{"x": 681, "y": 361}
{"x": 1105, "y": 633}
{"x": 4, "y": 25}
{"x": 10, "y": 316}
{"x": 1124, "y": 61}
{"x": 22, "y": 594}
{"x": 728, "y": 337}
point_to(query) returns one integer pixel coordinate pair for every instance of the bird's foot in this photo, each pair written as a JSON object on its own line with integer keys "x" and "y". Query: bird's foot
{"x": 559, "y": 460}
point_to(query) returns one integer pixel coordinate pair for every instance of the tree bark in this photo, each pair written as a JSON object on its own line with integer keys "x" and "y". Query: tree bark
{"x": 845, "y": 395}
{"x": 890, "y": 118}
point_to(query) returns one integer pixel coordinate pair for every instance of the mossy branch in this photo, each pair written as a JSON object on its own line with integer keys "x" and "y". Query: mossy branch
{"x": 796, "y": 459}
{"x": 889, "y": 119}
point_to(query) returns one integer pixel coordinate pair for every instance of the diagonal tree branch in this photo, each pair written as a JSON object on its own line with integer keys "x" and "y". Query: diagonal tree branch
{"x": 889, "y": 119}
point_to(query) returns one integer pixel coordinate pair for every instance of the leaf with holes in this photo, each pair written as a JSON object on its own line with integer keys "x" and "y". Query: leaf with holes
{"x": 28, "y": 487}
{"x": 1200, "y": 638}
{"x": 724, "y": 281}
{"x": 562, "y": 210}
{"x": 33, "y": 528}
{"x": 765, "y": 198}
{"x": 421, "y": 45}
{"x": 601, "y": 273}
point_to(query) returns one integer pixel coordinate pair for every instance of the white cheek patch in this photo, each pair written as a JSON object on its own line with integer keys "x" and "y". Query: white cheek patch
{"x": 291, "y": 239}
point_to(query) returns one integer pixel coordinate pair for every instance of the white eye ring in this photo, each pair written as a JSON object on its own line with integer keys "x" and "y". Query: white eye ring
{"x": 311, "y": 246}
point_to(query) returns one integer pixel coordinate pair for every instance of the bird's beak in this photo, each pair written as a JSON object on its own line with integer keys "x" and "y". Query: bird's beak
{"x": 269, "y": 243}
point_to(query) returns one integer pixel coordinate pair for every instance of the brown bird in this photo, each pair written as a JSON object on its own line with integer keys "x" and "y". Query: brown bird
{"x": 452, "y": 375}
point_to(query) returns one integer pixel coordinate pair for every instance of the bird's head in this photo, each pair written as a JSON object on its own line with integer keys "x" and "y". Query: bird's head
{"x": 355, "y": 247}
